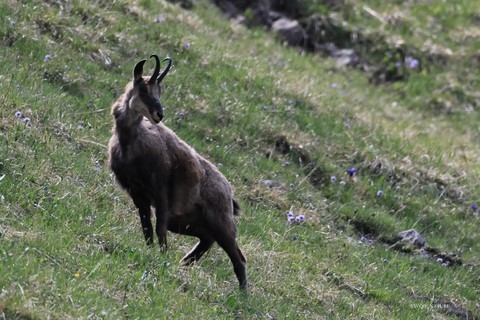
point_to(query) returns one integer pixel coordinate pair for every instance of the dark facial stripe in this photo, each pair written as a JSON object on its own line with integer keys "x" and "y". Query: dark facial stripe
{"x": 152, "y": 103}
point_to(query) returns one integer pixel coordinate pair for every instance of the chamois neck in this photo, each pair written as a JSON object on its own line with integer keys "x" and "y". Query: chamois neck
{"x": 127, "y": 121}
{"x": 125, "y": 117}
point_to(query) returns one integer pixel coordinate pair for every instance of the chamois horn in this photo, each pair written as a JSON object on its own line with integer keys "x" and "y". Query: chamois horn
{"x": 157, "y": 69}
{"x": 164, "y": 73}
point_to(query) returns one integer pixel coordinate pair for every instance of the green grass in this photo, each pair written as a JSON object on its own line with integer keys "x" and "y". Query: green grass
{"x": 70, "y": 239}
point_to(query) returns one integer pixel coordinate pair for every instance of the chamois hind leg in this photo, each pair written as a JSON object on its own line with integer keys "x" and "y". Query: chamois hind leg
{"x": 225, "y": 237}
{"x": 144, "y": 212}
{"x": 197, "y": 251}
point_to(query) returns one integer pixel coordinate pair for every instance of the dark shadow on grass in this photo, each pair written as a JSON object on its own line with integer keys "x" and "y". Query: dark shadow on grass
{"x": 10, "y": 314}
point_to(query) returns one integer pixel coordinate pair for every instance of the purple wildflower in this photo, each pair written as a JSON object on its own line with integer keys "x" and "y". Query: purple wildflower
{"x": 474, "y": 208}
{"x": 187, "y": 45}
{"x": 290, "y": 219}
{"x": 300, "y": 218}
{"x": 47, "y": 58}
{"x": 366, "y": 240}
{"x": 26, "y": 120}
{"x": 290, "y": 214}
{"x": 379, "y": 193}
{"x": 351, "y": 172}
{"x": 333, "y": 179}
{"x": 18, "y": 114}
{"x": 266, "y": 107}
{"x": 440, "y": 260}
{"x": 342, "y": 182}
{"x": 412, "y": 63}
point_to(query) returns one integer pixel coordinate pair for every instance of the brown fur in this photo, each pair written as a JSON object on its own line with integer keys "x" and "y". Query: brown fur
{"x": 158, "y": 169}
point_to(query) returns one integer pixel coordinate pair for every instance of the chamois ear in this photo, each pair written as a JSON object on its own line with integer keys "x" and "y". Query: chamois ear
{"x": 138, "y": 70}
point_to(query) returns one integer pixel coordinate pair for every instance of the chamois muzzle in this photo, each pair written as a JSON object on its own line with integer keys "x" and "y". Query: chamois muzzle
{"x": 157, "y": 116}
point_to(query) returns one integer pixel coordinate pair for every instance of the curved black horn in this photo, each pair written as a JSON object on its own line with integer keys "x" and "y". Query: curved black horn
{"x": 157, "y": 69}
{"x": 138, "y": 70}
{"x": 164, "y": 73}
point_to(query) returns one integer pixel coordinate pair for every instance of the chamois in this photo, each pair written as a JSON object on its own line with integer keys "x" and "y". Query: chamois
{"x": 158, "y": 169}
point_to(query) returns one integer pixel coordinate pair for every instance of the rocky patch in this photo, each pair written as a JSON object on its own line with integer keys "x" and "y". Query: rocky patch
{"x": 323, "y": 35}
{"x": 411, "y": 241}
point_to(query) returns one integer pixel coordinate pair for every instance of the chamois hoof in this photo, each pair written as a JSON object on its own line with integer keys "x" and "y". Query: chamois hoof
{"x": 187, "y": 262}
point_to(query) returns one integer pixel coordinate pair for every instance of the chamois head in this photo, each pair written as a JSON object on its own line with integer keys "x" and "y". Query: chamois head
{"x": 145, "y": 97}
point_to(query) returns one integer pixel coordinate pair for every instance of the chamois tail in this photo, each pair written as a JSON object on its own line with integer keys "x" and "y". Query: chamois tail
{"x": 236, "y": 208}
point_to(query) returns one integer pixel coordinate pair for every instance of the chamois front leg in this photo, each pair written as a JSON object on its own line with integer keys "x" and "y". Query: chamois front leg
{"x": 147, "y": 227}
{"x": 145, "y": 213}
{"x": 161, "y": 208}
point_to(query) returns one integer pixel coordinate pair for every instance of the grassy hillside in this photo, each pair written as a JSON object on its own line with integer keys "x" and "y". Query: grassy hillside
{"x": 70, "y": 241}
